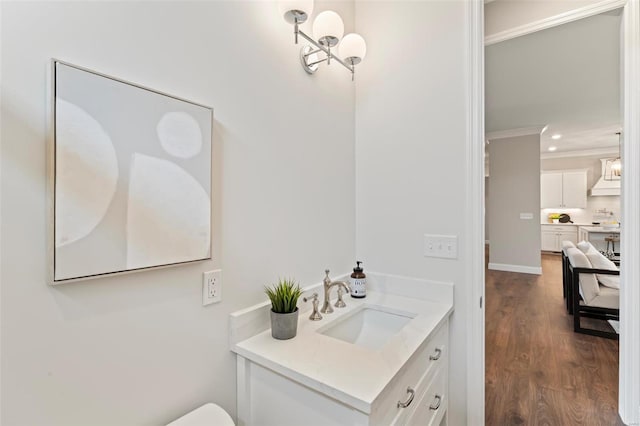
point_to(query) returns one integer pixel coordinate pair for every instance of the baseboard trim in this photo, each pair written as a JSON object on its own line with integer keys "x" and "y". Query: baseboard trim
{"x": 537, "y": 270}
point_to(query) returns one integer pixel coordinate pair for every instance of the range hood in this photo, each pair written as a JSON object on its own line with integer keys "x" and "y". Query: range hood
{"x": 605, "y": 187}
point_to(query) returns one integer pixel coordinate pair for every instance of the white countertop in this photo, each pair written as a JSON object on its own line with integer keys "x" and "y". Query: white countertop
{"x": 346, "y": 372}
{"x": 565, "y": 224}
{"x": 600, "y": 229}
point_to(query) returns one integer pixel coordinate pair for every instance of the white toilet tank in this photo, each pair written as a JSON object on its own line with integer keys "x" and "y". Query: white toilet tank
{"x": 208, "y": 415}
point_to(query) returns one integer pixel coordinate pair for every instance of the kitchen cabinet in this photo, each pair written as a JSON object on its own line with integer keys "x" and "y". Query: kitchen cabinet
{"x": 566, "y": 189}
{"x": 550, "y": 190}
{"x": 553, "y": 236}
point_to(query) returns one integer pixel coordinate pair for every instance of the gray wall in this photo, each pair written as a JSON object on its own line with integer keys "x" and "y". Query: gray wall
{"x": 566, "y": 74}
{"x": 141, "y": 349}
{"x": 515, "y": 189}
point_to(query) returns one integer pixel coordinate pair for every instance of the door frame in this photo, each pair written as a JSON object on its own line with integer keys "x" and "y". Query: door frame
{"x": 629, "y": 382}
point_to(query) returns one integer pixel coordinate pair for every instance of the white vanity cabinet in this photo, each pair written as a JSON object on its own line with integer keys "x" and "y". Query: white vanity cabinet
{"x": 554, "y": 235}
{"x": 429, "y": 404}
{"x": 426, "y": 374}
{"x": 416, "y": 395}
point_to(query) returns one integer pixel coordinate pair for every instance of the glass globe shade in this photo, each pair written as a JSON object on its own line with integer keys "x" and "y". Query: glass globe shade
{"x": 353, "y": 48}
{"x": 328, "y": 28}
{"x": 616, "y": 167}
{"x": 290, "y": 9}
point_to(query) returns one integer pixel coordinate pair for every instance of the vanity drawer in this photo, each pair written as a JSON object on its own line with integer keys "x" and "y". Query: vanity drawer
{"x": 417, "y": 373}
{"x": 433, "y": 405}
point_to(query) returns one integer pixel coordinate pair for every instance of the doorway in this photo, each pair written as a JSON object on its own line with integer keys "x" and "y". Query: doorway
{"x": 630, "y": 346}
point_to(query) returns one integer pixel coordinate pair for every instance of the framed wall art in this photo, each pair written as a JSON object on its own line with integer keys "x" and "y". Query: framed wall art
{"x": 131, "y": 176}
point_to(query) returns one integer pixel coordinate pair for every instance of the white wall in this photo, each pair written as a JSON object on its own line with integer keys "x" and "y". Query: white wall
{"x": 486, "y": 209}
{"x": 410, "y": 146}
{"x": 594, "y": 171}
{"x": 140, "y": 349}
{"x": 515, "y": 189}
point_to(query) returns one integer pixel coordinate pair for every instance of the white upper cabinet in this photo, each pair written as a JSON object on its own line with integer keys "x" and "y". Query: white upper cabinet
{"x": 574, "y": 189}
{"x": 563, "y": 189}
{"x": 550, "y": 190}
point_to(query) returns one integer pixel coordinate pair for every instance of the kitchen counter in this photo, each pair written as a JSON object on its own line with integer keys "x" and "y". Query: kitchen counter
{"x": 597, "y": 235}
{"x": 600, "y": 229}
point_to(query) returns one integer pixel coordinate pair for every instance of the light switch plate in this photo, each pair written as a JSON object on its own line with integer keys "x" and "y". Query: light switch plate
{"x": 211, "y": 287}
{"x": 444, "y": 246}
{"x": 526, "y": 216}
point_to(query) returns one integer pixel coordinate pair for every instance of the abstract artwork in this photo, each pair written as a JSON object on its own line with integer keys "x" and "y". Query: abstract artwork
{"x": 131, "y": 176}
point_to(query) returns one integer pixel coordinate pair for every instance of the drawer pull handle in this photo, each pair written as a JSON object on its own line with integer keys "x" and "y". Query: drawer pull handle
{"x": 409, "y": 400}
{"x": 436, "y": 404}
{"x": 436, "y": 356}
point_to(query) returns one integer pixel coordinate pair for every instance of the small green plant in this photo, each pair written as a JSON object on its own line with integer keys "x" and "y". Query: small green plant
{"x": 284, "y": 296}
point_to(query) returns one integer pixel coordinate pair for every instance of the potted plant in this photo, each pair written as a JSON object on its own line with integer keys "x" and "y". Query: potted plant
{"x": 284, "y": 310}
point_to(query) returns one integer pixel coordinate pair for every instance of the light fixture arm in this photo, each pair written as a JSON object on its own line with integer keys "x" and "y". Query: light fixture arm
{"x": 310, "y": 64}
{"x": 322, "y": 48}
{"x": 312, "y": 52}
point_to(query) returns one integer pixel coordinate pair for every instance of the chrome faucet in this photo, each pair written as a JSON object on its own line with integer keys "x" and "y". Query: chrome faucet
{"x": 328, "y": 285}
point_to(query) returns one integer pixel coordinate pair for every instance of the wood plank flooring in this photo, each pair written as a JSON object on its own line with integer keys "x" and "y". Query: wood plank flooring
{"x": 538, "y": 371}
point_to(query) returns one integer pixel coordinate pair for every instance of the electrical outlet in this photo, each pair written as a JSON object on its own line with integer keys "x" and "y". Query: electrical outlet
{"x": 211, "y": 287}
{"x": 445, "y": 246}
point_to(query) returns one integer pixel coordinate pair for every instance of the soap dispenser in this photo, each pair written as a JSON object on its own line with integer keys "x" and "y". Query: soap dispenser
{"x": 358, "y": 282}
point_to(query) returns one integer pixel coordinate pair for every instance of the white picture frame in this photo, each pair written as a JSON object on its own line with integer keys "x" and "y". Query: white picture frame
{"x": 130, "y": 171}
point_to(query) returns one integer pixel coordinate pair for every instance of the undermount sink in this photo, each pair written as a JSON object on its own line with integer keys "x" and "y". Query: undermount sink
{"x": 368, "y": 327}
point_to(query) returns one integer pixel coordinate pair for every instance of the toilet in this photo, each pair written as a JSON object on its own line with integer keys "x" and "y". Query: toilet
{"x": 208, "y": 415}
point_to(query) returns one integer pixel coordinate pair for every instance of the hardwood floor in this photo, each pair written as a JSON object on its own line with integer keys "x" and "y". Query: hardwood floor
{"x": 538, "y": 371}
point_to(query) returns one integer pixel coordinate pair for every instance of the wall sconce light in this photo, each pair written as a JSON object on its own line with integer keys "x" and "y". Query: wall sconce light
{"x": 328, "y": 30}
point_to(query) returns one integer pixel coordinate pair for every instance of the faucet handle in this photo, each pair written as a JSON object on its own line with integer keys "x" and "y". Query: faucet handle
{"x": 315, "y": 315}
{"x": 313, "y": 297}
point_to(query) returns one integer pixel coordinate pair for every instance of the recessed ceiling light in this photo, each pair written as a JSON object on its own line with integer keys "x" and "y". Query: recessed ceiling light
{"x": 553, "y": 148}
{"x": 556, "y": 136}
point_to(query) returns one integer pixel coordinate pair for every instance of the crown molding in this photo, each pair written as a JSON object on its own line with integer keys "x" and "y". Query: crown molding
{"x": 514, "y": 133}
{"x": 608, "y": 151}
{"x": 554, "y": 21}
